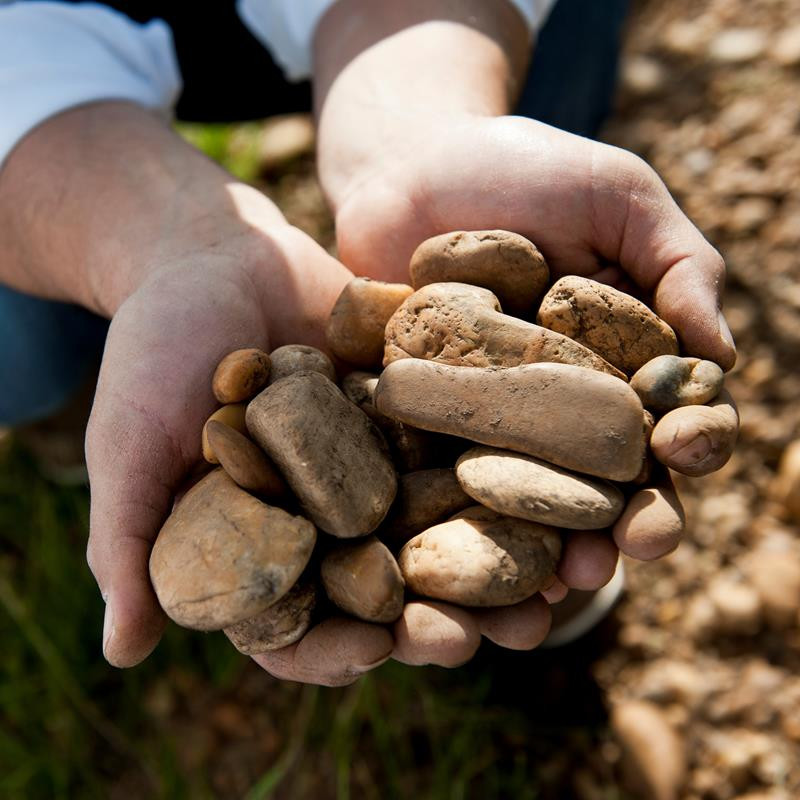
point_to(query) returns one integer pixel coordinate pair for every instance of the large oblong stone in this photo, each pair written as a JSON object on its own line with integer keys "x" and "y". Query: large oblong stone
{"x": 482, "y": 563}
{"x": 570, "y": 416}
{"x": 462, "y": 325}
{"x": 329, "y": 452}
{"x": 525, "y": 487}
{"x": 616, "y": 326}
{"x": 504, "y": 262}
{"x": 223, "y": 556}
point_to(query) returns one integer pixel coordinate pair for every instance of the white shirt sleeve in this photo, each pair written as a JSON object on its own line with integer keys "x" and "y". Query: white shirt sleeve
{"x": 286, "y": 27}
{"x": 54, "y": 56}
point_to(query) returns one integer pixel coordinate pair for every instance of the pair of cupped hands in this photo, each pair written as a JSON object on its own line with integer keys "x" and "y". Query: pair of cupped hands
{"x": 592, "y": 209}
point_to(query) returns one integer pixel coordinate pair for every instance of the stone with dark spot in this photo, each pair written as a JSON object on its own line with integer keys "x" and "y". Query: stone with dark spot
{"x": 223, "y": 556}
{"x": 282, "y": 624}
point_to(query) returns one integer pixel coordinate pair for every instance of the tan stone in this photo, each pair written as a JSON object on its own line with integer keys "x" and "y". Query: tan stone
{"x": 293, "y": 358}
{"x": 697, "y": 440}
{"x": 506, "y": 263}
{"x": 570, "y": 416}
{"x": 775, "y": 576}
{"x": 481, "y": 563}
{"x": 737, "y": 605}
{"x": 357, "y": 324}
{"x": 223, "y": 556}
{"x": 616, "y": 326}
{"x": 244, "y": 461}
{"x": 231, "y": 415}
{"x": 668, "y": 382}
{"x": 329, "y": 452}
{"x": 786, "y": 486}
{"x": 653, "y": 754}
{"x": 282, "y": 624}
{"x": 423, "y": 498}
{"x": 453, "y": 323}
{"x": 651, "y": 525}
{"x": 241, "y": 375}
{"x": 363, "y": 579}
{"x": 525, "y": 487}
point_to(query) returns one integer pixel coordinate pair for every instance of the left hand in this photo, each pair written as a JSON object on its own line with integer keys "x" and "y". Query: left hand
{"x": 593, "y": 210}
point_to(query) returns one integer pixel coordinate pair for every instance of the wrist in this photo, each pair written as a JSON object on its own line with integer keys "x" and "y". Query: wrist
{"x": 383, "y": 86}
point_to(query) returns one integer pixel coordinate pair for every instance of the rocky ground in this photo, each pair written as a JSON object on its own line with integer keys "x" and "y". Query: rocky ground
{"x": 711, "y": 636}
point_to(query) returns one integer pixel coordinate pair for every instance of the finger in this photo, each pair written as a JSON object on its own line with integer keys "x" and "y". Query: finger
{"x": 336, "y": 652}
{"x": 130, "y": 500}
{"x": 588, "y": 559}
{"x": 697, "y": 440}
{"x": 652, "y": 523}
{"x": 664, "y": 252}
{"x": 435, "y": 633}
{"x": 556, "y": 592}
{"x": 519, "y": 627}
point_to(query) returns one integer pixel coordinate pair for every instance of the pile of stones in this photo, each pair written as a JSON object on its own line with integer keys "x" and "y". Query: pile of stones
{"x": 451, "y": 472}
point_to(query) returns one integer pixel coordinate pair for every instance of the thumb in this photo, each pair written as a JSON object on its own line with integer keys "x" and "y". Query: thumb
{"x": 133, "y": 468}
{"x": 666, "y": 254}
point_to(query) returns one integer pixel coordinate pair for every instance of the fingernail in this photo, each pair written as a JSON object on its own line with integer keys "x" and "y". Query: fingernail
{"x": 694, "y": 452}
{"x": 108, "y": 628}
{"x": 373, "y": 664}
{"x": 725, "y": 331}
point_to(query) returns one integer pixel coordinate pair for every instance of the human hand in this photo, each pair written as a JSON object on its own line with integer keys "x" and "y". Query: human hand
{"x": 267, "y": 285}
{"x": 595, "y": 211}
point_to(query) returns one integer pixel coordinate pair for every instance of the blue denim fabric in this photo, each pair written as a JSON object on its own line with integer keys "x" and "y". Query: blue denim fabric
{"x": 47, "y": 349}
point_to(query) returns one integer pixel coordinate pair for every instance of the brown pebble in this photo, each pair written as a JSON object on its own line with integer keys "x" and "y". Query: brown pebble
{"x": 363, "y": 579}
{"x": 423, "y": 498}
{"x": 293, "y": 358}
{"x": 328, "y": 451}
{"x": 737, "y": 605}
{"x": 653, "y": 754}
{"x": 616, "y": 326}
{"x": 355, "y": 331}
{"x": 525, "y": 487}
{"x": 481, "y": 563}
{"x": 506, "y": 263}
{"x": 786, "y": 487}
{"x": 241, "y": 375}
{"x": 697, "y": 440}
{"x": 651, "y": 525}
{"x": 453, "y": 323}
{"x": 775, "y": 576}
{"x": 282, "y": 624}
{"x": 244, "y": 461}
{"x": 231, "y": 415}
{"x": 668, "y": 382}
{"x": 223, "y": 556}
{"x": 570, "y": 416}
